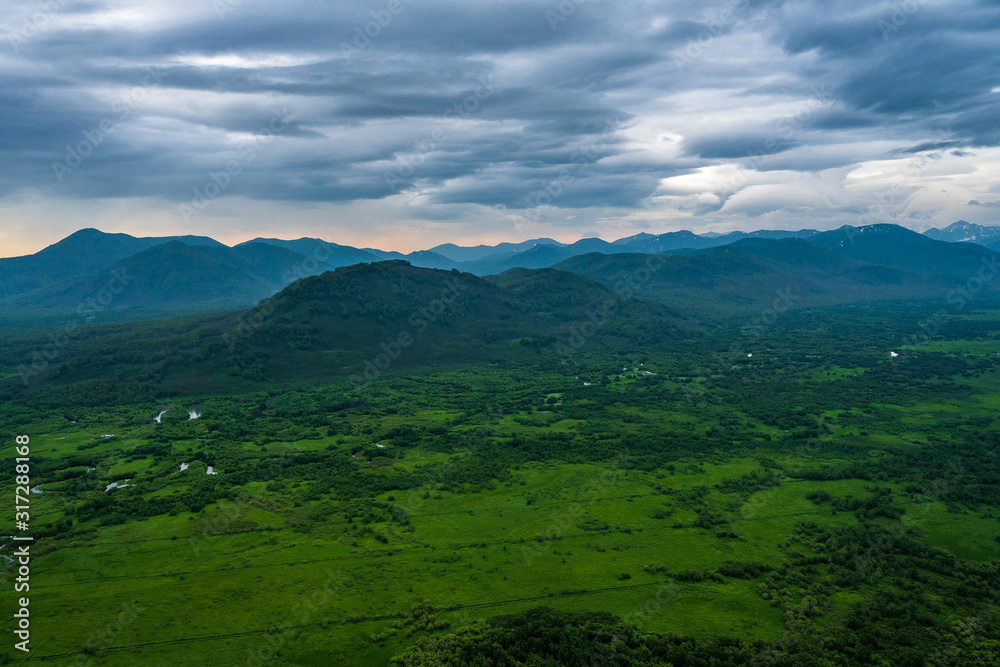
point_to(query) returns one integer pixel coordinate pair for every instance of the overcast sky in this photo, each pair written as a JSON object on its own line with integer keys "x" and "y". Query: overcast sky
{"x": 401, "y": 124}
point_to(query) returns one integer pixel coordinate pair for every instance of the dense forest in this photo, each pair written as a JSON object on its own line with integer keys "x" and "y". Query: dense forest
{"x": 887, "y": 463}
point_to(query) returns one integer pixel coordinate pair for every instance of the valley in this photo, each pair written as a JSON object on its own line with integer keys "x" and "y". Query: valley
{"x": 536, "y": 333}
{"x": 678, "y": 485}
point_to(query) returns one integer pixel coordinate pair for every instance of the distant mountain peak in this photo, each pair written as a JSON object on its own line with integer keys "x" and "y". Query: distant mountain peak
{"x": 641, "y": 237}
{"x": 87, "y": 231}
{"x": 965, "y": 232}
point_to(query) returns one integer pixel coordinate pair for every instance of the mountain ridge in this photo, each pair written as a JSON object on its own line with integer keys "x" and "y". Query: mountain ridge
{"x": 965, "y": 232}
{"x": 165, "y": 279}
{"x": 253, "y": 269}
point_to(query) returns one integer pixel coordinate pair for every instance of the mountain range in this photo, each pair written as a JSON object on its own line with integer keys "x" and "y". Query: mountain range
{"x": 276, "y": 311}
{"x": 95, "y": 277}
{"x": 357, "y": 322}
{"x": 967, "y": 232}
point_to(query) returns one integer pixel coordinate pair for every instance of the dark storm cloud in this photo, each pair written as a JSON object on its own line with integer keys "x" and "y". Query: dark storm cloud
{"x": 911, "y": 64}
{"x": 485, "y": 103}
{"x": 739, "y": 145}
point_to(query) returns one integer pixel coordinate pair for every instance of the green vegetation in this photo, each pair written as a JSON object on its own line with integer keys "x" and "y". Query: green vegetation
{"x": 784, "y": 494}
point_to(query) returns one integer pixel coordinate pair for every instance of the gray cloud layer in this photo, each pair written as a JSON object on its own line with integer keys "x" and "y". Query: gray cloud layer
{"x": 639, "y": 109}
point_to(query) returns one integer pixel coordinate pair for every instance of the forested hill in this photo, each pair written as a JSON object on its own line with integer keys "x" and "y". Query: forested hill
{"x": 745, "y": 277}
{"x": 80, "y": 254}
{"x": 366, "y": 320}
{"x": 354, "y": 323}
{"x": 168, "y": 276}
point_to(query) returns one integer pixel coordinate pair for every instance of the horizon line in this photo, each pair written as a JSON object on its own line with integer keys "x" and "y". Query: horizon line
{"x": 705, "y": 234}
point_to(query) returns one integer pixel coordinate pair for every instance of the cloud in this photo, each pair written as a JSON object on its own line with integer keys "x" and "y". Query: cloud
{"x": 461, "y": 108}
{"x": 739, "y": 145}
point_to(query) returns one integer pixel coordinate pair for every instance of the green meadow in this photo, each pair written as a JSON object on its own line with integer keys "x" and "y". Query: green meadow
{"x": 345, "y": 525}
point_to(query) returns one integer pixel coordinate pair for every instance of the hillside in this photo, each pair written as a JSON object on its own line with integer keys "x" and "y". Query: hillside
{"x": 458, "y": 253}
{"x": 965, "y": 232}
{"x": 168, "y": 278}
{"x": 335, "y": 323}
{"x": 80, "y": 254}
{"x": 685, "y": 240}
{"x": 367, "y": 318}
{"x": 735, "y": 270}
{"x": 752, "y": 275}
{"x": 329, "y": 255}
{"x": 649, "y": 243}
{"x": 338, "y": 324}
{"x": 898, "y": 247}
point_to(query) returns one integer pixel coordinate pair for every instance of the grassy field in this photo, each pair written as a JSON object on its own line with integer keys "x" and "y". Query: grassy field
{"x": 562, "y": 534}
{"x": 269, "y": 576}
{"x": 477, "y": 553}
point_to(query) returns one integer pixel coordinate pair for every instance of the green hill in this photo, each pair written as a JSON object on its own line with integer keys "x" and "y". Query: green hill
{"x": 83, "y": 253}
{"x": 167, "y": 279}
{"x": 357, "y": 318}
{"x": 898, "y": 247}
{"x": 326, "y": 254}
{"x": 752, "y": 275}
{"x": 357, "y": 323}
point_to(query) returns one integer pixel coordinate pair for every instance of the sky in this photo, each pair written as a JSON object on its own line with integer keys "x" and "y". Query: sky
{"x": 402, "y": 124}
